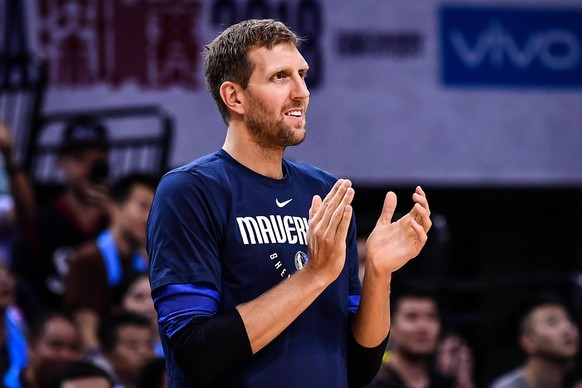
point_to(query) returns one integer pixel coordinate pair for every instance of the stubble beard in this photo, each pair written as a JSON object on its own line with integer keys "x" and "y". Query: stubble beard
{"x": 271, "y": 132}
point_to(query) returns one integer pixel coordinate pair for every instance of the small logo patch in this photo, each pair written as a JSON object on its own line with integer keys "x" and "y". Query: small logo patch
{"x": 301, "y": 259}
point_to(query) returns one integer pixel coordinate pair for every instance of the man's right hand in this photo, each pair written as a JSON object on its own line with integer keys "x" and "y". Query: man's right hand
{"x": 329, "y": 221}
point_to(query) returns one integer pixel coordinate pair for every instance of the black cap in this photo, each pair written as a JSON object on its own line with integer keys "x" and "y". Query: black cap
{"x": 82, "y": 133}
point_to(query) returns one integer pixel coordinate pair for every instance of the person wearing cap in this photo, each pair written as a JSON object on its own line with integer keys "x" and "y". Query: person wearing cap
{"x": 100, "y": 268}
{"x": 76, "y": 215}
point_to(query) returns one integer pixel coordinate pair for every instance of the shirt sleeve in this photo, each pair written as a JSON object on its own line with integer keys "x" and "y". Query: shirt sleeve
{"x": 183, "y": 234}
{"x": 355, "y": 287}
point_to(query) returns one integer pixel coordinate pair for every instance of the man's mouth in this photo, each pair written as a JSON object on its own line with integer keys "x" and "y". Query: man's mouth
{"x": 294, "y": 113}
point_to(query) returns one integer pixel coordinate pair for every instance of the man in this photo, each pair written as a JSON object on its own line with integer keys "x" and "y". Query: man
{"x": 99, "y": 268}
{"x": 254, "y": 276}
{"x": 126, "y": 348}
{"x": 75, "y": 216}
{"x": 53, "y": 342}
{"x": 135, "y": 295}
{"x": 549, "y": 338}
{"x": 80, "y": 374}
{"x": 414, "y": 335}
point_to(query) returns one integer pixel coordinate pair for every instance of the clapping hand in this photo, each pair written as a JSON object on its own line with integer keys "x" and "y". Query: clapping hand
{"x": 393, "y": 244}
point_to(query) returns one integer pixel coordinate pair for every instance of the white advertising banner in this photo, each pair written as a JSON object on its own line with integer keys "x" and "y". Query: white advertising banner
{"x": 402, "y": 92}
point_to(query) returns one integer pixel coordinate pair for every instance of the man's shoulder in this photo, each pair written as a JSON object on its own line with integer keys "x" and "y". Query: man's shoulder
{"x": 204, "y": 163}
{"x": 309, "y": 171}
{"x": 511, "y": 379}
{"x": 214, "y": 166}
{"x": 88, "y": 252}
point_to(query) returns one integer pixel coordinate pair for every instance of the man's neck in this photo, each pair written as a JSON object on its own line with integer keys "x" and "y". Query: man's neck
{"x": 86, "y": 214}
{"x": 125, "y": 247}
{"x": 413, "y": 370}
{"x": 545, "y": 373}
{"x": 264, "y": 161}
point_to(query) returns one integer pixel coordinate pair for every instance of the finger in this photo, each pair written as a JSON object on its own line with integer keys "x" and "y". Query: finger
{"x": 339, "y": 214}
{"x": 420, "y": 233}
{"x": 320, "y": 211}
{"x": 335, "y": 202}
{"x": 420, "y": 197}
{"x": 344, "y": 225}
{"x": 422, "y": 216}
{"x": 388, "y": 208}
{"x": 315, "y": 205}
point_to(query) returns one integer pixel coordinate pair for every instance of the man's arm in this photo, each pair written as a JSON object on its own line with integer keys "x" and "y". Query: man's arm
{"x": 20, "y": 187}
{"x": 271, "y": 313}
{"x": 255, "y": 324}
{"x": 389, "y": 247}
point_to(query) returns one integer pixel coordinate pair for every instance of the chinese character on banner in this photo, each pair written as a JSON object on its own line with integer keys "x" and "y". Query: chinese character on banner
{"x": 153, "y": 43}
{"x": 67, "y": 32}
{"x": 174, "y": 44}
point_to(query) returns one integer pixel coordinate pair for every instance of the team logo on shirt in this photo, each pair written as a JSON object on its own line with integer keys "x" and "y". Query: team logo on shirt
{"x": 273, "y": 229}
{"x": 301, "y": 259}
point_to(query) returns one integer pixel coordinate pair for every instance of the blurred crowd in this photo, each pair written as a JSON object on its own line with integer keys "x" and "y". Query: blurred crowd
{"x": 76, "y": 309}
{"x": 75, "y": 298}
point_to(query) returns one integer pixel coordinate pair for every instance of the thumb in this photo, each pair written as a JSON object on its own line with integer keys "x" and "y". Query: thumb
{"x": 315, "y": 204}
{"x": 388, "y": 208}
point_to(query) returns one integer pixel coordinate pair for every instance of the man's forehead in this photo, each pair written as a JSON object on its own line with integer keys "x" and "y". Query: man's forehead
{"x": 410, "y": 303}
{"x": 280, "y": 56}
{"x": 547, "y": 309}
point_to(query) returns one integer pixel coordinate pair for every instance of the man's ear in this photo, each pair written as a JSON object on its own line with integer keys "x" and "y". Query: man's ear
{"x": 527, "y": 344}
{"x": 231, "y": 94}
{"x": 113, "y": 209}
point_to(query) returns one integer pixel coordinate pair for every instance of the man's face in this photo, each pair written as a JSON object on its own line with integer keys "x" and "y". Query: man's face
{"x": 59, "y": 344}
{"x": 133, "y": 213}
{"x": 550, "y": 332}
{"x": 275, "y": 101}
{"x": 87, "y": 382}
{"x": 138, "y": 298}
{"x": 415, "y": 326}
{"x": 134, "y": 348}
{"x": 76, "y": 166}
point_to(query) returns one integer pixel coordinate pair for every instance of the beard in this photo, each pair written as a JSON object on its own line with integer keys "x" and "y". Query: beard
{"x": 268, "y": 131}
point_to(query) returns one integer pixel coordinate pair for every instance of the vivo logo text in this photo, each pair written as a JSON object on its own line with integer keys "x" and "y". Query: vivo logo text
{"x": 511, "y": 47}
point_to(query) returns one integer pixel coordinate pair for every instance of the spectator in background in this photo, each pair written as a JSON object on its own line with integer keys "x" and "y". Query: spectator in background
{"x": 126, "y": 347}
{"x": 136, "y": 296}
{"x": 80, "y": 374}
{"x": 13, "y": 347}
{"x": 17, "y": 201}
{"x": 550, "y": 340}
{"x": 454, "y": 358}
{"x": 77, "y": 215}
{"x": 53, "y": 341}
{"x": 414, "y": 337}
{"x": 153, "y": 374}
{"x": 98, "y": 268}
